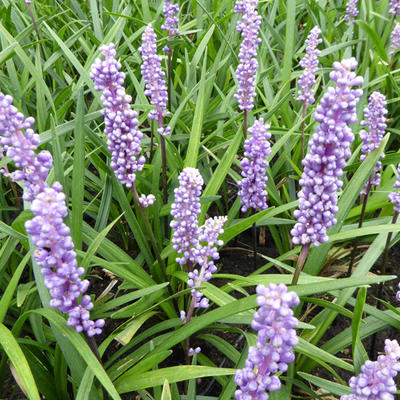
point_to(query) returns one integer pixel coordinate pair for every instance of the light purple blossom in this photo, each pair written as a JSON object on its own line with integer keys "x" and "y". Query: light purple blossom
{"x": 394, "y": 197}
{"x": 376, "y": 121}
{"x": 329, "y": 150}
{"x": 351, "y": 11}
{"x": 394, "y": 7}
{"x": 146, "y": 201}
{"x": 395, "y": 38}
{"x": 20, "y": 147}
{"x": 55, "y": 250}
{"x": 120, "y": 120}
{"x": 247, "y": 68}
{"x": 185, "y": 210}
{"x": 276, "y": 324}
{"x": 209, "y": 234}
{"x": 310, "y": 65}
{"x": 171, "y": 21}
{"x": 254, "y": 164}
{"x": 376, "y": 380}
{"x": 154, "y": 78}
{"x": 56, "y": 256}
{"x": 192, "y": 351}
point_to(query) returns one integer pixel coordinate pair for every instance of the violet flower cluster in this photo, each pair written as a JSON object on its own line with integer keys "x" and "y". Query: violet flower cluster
{"x": 254, "y": 164}
{"x": 351, "y": 11}
{"x": 185, "y": 210}
{"x": 329, "y": 150}
{"x": 376, "y": 121}
{"x": 310, "y": 65}
{"x": 120, "y": 120}
{"x": 171, "y": 21}
{"x": 394, "y": 7}
{"x": 395, "y": 39}
{"x": 376, "y": 380}
{"x": 154, "y": 78}
{"x": 247, "y": 68}
{"x": 55, "y": 250}
{"x": 146, "y": 201}
{"x": 276, "y": 338}
{"x": 394, "y": 197}
{"x": 209, "y": 234}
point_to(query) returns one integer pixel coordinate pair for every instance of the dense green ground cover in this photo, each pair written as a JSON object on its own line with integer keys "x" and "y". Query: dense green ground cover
{"x": 143, "y": 342}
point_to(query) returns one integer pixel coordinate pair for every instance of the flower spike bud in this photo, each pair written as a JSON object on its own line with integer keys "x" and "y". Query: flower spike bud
{"x": 329, "y": 150}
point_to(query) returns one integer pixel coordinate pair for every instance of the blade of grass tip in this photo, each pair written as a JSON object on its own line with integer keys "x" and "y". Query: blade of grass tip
{"x": 94, "y": 14}
{"x": 197, "y": 125}
{"x": 28, "y": 65}
{"x": 77, "y": 192}
{"x": 9, "y": 292}
{"x": 18, "y": 360}
{"x": 288, "y": 55}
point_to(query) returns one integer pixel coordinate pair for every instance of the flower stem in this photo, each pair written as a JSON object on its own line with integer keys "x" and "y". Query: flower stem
{"x": 380, "y": 288}
{"x": 151, "y": 140}
{"x": 28, "y": 6}
{"x": 149, "y": 231}
{"x": 169, "y": 78}
{"x": 300, "y": 262}
{"x": 245, "y": 124}
{"x": 303, "y": 127}
{"x": 255, "y": 245}
{"x": 360, "y": 223}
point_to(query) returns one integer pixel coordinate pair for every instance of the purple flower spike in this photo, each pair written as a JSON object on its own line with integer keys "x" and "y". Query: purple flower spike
{"x": 329, "y": 150}
{"x": 395, "y": 38}
{"x": 20, "y": 147}
{"x": 55, "y": 250}
{"x": 247, "y": 68}
{"x": 276, "y": 338}
{"x": 120, "y": 120}
{"x": 394, "y": 7}
{"x": 185, "y": 210}
{"x": 376, "y": 380}
{"x": 56, "y": 256}
{"x": 310, "y": 65}
{"x": 171, "y": 21}
{"x": 253, "y": 185}
{"x": 394, "y": 197}
{"x": 351, "y": 11}
{"x": 208, "y": 233}
{"x": 154, "y": 78}
{"x": 376, "y": 121}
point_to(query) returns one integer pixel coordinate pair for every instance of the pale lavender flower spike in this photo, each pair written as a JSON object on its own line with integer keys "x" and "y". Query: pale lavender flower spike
{"x": 247, "y": 68}
{"x": 171, "y": 21}
{"x": 377, "y": 378}
{"x": 329, "y": 150}
{"x": 310, "y": 65}
{"x": 395, "y": 38}
{"x": 120, "y": 120}
{"x": 55, "y": 250}
{"x": 376, "y": 121}
{"x": 253, "y": 185}
{"x": 208, "y": 233}
{"x": 275, "y": 323}
{"x": 394, "y": 197}
{"x": 394, "y": 7}
{"x": 185, "y": 210}
{"x": 154, "y": 78}
{"x": 351, "y": 11}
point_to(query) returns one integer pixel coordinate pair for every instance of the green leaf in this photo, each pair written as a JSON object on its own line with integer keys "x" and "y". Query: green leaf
{"x": 331, "y": 387}
{"x": 172, "y": 374}
{"x": 19, "y": 362}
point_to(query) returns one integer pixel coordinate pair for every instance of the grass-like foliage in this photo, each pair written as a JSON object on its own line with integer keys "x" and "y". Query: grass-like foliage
{"x": 199, "y": 209}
